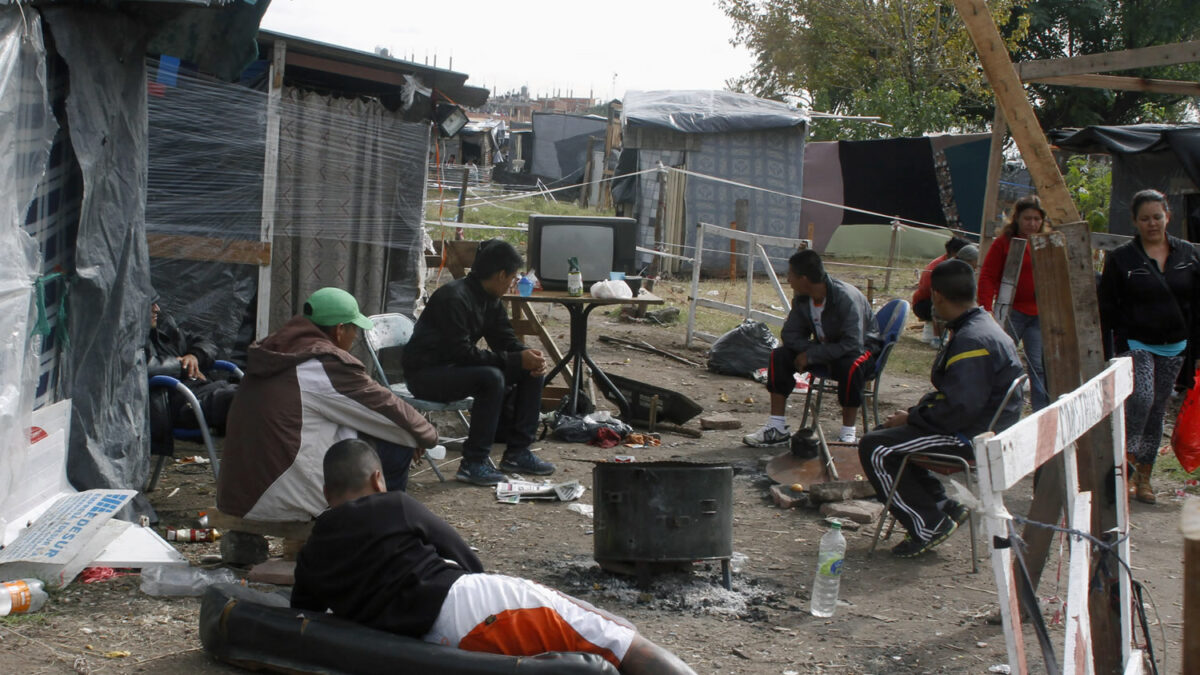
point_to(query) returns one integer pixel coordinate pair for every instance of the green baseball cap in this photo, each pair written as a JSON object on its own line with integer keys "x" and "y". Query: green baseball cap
{"x": 332, "y": 306}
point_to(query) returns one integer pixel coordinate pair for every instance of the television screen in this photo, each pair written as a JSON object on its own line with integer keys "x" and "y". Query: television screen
{"x": 602, "y": 244}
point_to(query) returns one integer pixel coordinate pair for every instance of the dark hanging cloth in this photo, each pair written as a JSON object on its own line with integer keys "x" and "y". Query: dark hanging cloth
{"x": 895, "y": 177}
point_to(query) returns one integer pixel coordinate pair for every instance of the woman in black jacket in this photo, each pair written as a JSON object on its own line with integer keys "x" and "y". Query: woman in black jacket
{"x": 1150, "y": 299}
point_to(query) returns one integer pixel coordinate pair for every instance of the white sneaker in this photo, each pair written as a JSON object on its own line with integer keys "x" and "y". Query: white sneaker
{"x": 768, "y": 436}
{"x": 847, "y": 436}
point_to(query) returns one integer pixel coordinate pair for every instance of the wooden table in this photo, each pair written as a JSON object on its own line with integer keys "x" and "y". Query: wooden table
{"x": 578, "y": 308}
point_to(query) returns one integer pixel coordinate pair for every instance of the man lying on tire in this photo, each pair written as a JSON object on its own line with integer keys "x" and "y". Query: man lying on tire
{"x": 383, "y": 560}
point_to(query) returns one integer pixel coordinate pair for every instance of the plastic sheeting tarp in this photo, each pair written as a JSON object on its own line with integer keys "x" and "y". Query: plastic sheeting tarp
{"x": 560, "y": 143}
{"x": 705, "y": 111}
{"x": 26, "y": 132}
{"x": 110, "y": 299}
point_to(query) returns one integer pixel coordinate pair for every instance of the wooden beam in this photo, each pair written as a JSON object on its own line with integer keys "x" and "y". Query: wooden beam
{"x": 992, "y": 190}
{"x": 1145, "y": 84}
{"x": 1190, "y": 525}
{"x": 262, "y": 322}
{"x": 1031, "y": 140}
{"x": 209, "y": 249}
{"x": 1128, "y": 59}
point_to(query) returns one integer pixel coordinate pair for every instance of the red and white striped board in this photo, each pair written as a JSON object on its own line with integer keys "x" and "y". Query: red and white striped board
{"x": 1004, "y": 459}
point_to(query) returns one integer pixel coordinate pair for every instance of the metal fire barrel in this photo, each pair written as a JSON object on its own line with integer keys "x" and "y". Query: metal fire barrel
{"x": 663, "y": 512}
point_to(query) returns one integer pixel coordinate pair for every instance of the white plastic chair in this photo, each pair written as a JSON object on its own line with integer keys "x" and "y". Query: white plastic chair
{"x": 394, "y": 331}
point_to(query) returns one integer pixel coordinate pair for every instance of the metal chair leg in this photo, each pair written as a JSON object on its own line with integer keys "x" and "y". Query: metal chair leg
{"x": 158, "y": 467}
{"x": 887, "y": 507}
{"x": 436, "y": 471}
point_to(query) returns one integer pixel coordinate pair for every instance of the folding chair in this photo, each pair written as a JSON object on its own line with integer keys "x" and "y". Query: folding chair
{"x": 393, "y": 331}
{"x": 945, "y": 465}
{"x": 201, "y": 432}
{"x": 889, "y": 320}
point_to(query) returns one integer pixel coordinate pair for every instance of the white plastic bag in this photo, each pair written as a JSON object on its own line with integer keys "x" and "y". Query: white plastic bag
{"x": 610, "y": 288}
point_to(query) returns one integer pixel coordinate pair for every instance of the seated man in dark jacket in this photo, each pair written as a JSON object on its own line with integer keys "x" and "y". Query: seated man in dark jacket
{"x": 971, "y": 374}
{"x": 443, "y": 362}
{"x": 830, "y": 330}
{"x": 188, "y": 358}
{"x": 383, "y": 560}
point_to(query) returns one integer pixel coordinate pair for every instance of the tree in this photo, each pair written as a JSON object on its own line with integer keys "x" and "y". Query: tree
{"x": 1063, "y": 28}
{"x": 908, "y": 61}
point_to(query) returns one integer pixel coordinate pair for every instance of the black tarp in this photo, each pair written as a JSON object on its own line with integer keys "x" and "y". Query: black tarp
{"x": 894, "y": 176}
{"x": 1159, "y": 156}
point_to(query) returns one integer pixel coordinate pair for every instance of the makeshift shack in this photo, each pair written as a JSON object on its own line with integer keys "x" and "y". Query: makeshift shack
{"x": 1165, "y": 157}
{"x": 730, "y": 137}
{"x": 74, "y": 147}
{"x": 263, "y": 190}
{"x": 560, "y": 145}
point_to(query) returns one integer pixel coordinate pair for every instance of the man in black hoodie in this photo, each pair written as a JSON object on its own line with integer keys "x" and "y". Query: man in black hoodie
{"x": 971, "y": 375}
{"x": 443, "y": 362}
{"x": 382, "y": 559}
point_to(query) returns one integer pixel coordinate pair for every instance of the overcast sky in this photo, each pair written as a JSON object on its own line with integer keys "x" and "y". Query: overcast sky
{"x": 604, "y": 48}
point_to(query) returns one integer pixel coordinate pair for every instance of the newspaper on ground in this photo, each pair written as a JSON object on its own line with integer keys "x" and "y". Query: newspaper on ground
{"x": 513, "y": 492}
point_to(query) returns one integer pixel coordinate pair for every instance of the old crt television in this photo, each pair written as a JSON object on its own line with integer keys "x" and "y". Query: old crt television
{"x": 602, "y": 244}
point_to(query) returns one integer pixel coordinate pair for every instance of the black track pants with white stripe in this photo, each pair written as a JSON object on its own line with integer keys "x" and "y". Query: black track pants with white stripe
{"x": 915, "y": 503}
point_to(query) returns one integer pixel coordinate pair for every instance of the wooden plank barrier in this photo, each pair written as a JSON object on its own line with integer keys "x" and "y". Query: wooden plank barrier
{"x": 1006, "y": 458}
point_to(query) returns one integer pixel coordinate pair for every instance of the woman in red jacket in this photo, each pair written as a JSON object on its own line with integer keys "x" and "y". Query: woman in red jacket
{"x": 1028, "y": 218}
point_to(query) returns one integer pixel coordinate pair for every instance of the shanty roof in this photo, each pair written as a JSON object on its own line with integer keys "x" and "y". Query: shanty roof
{"x": 707, "y": 111}
{"x": 324, "y": 66}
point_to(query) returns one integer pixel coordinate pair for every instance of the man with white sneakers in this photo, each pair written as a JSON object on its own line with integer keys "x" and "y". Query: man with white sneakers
{"x": 829, "y": 332}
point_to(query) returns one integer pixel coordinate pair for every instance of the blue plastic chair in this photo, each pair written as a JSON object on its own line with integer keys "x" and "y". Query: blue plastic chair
{"x": 201, "y": 432}
{"x": 889, "y": 321}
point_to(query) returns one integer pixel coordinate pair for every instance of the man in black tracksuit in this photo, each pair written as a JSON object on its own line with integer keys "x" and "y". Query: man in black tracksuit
{"x": 971, "y": 375}
{"x": 442, "y": 362}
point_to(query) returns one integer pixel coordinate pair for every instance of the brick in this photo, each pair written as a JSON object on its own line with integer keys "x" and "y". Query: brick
{"x": 720, "y": 421}
{"x": 274, "y": 571}
{"x": 858, "y": 510}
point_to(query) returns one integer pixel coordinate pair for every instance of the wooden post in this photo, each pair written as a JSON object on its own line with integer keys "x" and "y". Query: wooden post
{"x": 812, "y": 233}
{"x": 1189, "y": 523}
{"x": 870, "y": 291}
{"x": 992, "y": 190}
{"x": 1010, "y": 96}
{"x": 270, "y": 184}
{"x": 887, "y": 278}
{"x": 589, "y": 172}
{"x": 462, "y": 199}
{"x": 659, "y": 214}
{"x": 1008, "y": 282}
{"x": 741, "y": 216}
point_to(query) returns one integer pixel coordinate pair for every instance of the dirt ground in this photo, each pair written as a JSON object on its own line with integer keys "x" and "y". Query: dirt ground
{"x": 926, "y": 615}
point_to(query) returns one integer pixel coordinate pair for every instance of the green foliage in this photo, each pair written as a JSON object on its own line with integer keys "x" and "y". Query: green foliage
{"x": 1089, "y": 181}
{"x": 910, "y": 62}
{"x": 1063, "y": 28}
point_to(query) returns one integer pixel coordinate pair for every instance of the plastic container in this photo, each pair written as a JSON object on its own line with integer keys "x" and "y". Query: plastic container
{"x": 22, "y": 596}
{"x": 525, "y": 287}
{"x": 182, "y": 579}
{"x": 828, "y": 578}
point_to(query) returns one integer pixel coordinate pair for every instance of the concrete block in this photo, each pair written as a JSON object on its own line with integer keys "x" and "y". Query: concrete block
{"x": 243, "y": 548}
{"x": 840, "y": 491}
{"x": 785, "y": 497}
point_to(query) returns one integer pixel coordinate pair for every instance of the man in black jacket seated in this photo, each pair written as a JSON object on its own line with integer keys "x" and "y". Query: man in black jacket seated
{"x": 188, "y": 358}
{"x": 971, "y": 375}
{"x": 383, "y": 560}
{"x": 442, "y": 362}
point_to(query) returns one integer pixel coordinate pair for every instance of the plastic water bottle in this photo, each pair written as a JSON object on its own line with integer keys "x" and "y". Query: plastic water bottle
{"x": 22, "y": 596}
{"x": 574, "y": 278}
{"x": 829, "y": 572}
{"x": 182, "y": 579}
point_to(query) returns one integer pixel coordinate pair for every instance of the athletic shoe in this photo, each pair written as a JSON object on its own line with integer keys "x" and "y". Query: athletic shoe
{"x": 478, "y": 473}
{"x": 912, "y": 547}
{"x": 848, "y": 437}
{"x": 524, "y": 461}
{"x": 957, "y": 512}
{"x": 768, "y": 436}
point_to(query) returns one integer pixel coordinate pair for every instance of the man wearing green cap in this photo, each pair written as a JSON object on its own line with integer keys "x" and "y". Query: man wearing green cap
{"x": 303, "y": 391}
